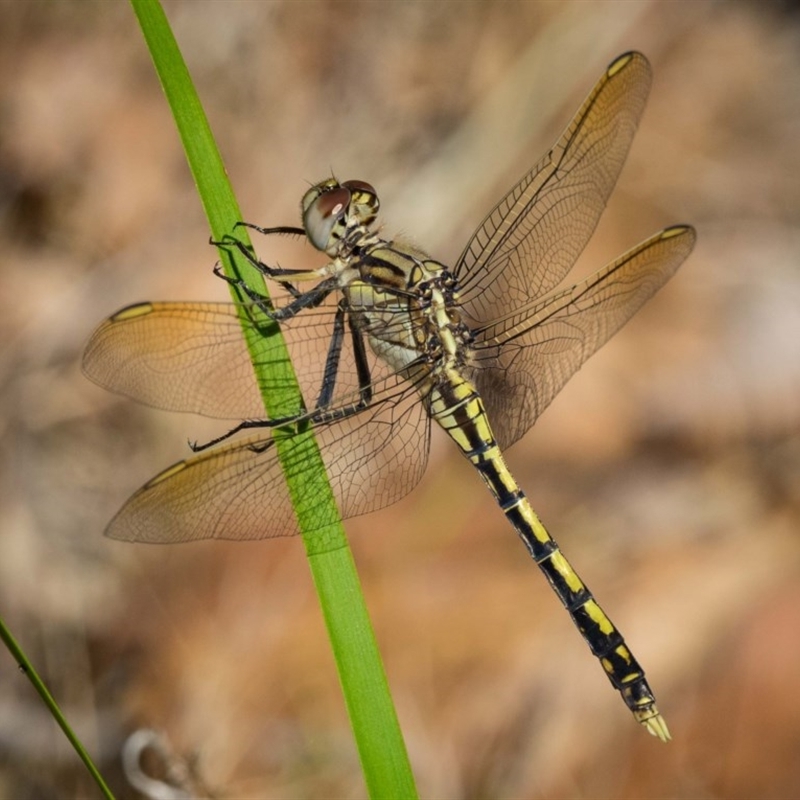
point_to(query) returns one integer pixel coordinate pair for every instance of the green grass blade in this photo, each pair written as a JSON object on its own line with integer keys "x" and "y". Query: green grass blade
{"x": 33, "y": 676}
{"x": 380, "y": 744}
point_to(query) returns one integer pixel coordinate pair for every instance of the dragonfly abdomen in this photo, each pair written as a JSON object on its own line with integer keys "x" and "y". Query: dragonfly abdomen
{"x": 457, "y": 406}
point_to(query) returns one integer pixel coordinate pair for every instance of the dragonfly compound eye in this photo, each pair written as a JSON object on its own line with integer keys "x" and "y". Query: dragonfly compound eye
{"x": 364, "y": 205}
{"x": 324, "y": 215}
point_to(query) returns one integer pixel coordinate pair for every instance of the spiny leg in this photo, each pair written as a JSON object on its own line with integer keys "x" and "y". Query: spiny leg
{"x": 278, "y": 274}
{"x": 332, "y": 370}
{"x": 321, "y": 413}
{"x": 302, "y": 300}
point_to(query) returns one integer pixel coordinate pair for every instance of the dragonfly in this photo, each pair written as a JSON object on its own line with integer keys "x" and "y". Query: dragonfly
{"x": 387, "y": 341}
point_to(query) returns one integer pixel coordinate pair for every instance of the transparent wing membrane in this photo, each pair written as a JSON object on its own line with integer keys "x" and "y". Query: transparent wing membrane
{"x": 238, "y": 490}
{"x": 533, "y": 236}
{"x": 179, "y": 357}
{"x": 193, "y": 357}
{"x": 523, "y": 359}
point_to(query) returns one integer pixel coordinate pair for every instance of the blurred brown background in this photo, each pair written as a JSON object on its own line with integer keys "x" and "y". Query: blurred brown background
{"x": 669, "y": 469}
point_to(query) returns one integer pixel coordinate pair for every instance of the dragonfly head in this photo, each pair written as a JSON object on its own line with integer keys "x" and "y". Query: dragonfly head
{"x": 332, "y": 209}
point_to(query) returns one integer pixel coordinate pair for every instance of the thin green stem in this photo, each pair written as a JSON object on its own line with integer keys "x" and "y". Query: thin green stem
{"x": 27, "y": 668}
{"x": 372, "y": 716}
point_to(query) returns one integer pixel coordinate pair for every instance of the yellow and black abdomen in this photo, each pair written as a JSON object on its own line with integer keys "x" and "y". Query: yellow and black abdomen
{"x": 457, "y": 406}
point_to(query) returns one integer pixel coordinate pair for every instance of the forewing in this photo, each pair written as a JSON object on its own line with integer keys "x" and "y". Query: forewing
{"x": 531, "y": 239}
{"x": 193, "y": 357}
{"x": 177, "y": 356}
{"x": 523, "y": 359}
{"x": 238, "y": 490}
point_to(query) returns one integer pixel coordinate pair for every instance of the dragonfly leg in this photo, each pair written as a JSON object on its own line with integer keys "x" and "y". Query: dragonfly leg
{"x": 286, "y": 230}
{"x": 276, "y": 273}
{"x": 362, "y": 365}
{"x": 332, "y": 370}
{"x": 302, "y": 300}
{"x": 272, "y": 273}
{"x": 310, "y": 299}
{"x": 332, "y": 359}
{"x": 321, "y": 413}
{"x": 243, "y": 426}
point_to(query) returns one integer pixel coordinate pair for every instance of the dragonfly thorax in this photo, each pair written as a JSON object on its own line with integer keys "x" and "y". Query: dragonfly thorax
{"x": 417, "y": 325}
{"x": 403, "y": 302}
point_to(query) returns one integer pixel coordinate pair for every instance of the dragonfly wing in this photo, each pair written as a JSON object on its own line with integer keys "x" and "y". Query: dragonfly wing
{"x": 523, "y": 359}
{"x": 193, "y": 357}
{"x": 238, "y": 491}
{"x": 531, "y": 239}
{"x": 177, "y": 356}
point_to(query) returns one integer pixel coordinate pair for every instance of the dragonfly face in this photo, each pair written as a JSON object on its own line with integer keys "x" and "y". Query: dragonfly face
{"x": 332, "y": 212}
{"x": 389, "y": 340}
